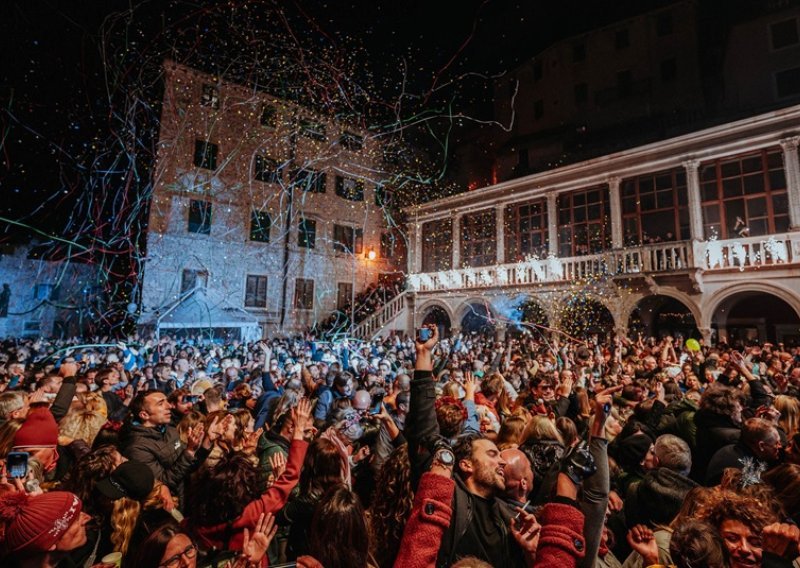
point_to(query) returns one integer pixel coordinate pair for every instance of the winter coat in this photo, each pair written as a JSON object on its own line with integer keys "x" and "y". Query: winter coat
{"x": 560, "y": 543}
{"x": 714, "y": 431}
{"x": 657, "y": 498}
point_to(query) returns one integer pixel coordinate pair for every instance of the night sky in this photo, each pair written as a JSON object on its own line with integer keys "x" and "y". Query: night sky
{"x": 70, "y": 68}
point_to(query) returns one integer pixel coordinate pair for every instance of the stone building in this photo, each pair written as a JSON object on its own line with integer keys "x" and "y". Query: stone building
{"x": 697, "y": 235}
{"x": 274, "y": 210}
{"x": 47, "y": 292}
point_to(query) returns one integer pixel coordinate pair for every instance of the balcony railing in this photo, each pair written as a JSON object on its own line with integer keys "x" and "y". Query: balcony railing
{"x": 661, "y": 258}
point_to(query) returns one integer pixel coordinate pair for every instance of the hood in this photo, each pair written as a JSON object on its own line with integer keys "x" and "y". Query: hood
{"x": 657, "y": 498}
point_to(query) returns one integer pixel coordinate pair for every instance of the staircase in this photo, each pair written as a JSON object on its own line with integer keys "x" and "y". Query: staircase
{"x": 374, "y": 324}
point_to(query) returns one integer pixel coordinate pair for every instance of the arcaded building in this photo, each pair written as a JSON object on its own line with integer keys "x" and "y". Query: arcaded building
{"x": 697, "y": 235}
{"x": 262, "y": 211}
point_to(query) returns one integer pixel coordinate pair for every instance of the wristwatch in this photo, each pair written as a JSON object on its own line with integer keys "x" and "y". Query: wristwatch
{"x": 445, "y": 456}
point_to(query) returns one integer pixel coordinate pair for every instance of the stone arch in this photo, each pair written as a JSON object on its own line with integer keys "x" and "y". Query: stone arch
{"x": 775, "y": 317}
{"x": 647, "y": 315}
{"x": 475, "y": 314}
{"x": 587, "y": 312}
{"x": 713, "y": 302}
{"x": 438, "y": 313}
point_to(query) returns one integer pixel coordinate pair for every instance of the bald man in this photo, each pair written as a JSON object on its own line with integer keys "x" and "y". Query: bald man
{"x": 519, "y": 477}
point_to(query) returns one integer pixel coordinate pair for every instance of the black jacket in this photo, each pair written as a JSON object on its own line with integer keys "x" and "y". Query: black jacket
{"x": 714, "y": 431}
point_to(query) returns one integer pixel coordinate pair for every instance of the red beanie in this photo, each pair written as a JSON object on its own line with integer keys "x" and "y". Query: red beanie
{"x": 35, "y": 523}
{"x": 38, "y": 431}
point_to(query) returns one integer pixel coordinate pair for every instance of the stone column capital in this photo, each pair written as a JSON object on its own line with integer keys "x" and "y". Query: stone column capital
{"x": 790, "y": 143}
{"x": 691, "y": 165}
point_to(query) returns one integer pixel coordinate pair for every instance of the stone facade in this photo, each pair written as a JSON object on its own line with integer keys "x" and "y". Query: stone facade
{"x": 228, "y": 203}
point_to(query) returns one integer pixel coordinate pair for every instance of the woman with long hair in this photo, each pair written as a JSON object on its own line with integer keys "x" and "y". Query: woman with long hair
{"x": 789, "y": 407}
{"x": 339, "y": 537}
{"x": 322, "y": 469}
{"x": 391, "y": 506}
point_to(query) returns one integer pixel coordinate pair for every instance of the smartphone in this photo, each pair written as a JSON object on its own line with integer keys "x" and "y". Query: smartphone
{"x": 377, "y": 401}
{"x": 17, "y": 464}
{"x": 424, "y": 334}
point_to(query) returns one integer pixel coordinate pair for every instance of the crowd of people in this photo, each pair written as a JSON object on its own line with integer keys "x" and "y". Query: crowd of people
{"x": 540, "y": 450}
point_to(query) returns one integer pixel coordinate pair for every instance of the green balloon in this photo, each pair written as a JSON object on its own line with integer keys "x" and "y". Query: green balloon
{"x": 692, "y": 345}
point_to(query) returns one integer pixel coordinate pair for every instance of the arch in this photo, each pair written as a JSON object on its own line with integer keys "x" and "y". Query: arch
{"x": 713, "y": 302}
{"x": 586, "y": 314}
{"x": 427, "y": 305}
{"x": 465, "y": 306}
{"x": 519, "y": 313}
{"x": 663, "y": 314}
{"x": 476, "y": 315}
{"x": 738, "y": 317}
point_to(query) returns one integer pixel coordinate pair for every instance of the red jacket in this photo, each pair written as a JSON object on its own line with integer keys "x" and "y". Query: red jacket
{"x": 561, "y": 541}
{"x": 230, "y": 536}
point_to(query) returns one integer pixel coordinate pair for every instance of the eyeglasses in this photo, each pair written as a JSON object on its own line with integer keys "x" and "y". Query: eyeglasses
{"x": 174, "y": 561}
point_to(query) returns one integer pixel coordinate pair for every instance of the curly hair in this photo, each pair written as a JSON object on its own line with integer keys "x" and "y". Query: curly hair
{"x": 451, "y": 415}
{"x": 90, "y": 469}
{"x": 747, "y": 510}
{"x": 124, "y": 514}
{"x": 696, "y": 543}
{"x": 82, "y": 425}
{"x": 220, "y": 493}
{"x": 392, "y": 502}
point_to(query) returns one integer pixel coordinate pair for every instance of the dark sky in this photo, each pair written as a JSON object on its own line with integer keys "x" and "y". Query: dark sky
{"x": 65, "y": 62}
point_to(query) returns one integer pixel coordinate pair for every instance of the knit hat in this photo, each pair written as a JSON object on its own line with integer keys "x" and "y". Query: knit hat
{"x": 131, "y": 479}
{"x": 35, "y": 523}
{"x": 632, "y": 450}
{"x": 38, "y": 431}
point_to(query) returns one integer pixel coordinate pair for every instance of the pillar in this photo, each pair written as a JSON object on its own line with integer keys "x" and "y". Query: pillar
{"x": 791, "y": 165}
{"x": 693, "y": 189}
{"x": 457, "y": 241}
{"x": 415, "y": 258}
{"x": 616, "y": 212}
{"x": 501, "y": 233}
{"x": 552, "y": 223}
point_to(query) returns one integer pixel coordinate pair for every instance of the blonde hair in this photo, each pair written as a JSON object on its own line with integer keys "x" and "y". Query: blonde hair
{"x": 511, "y": 432}
{"x": 790, "y": 414}
{"x": 82, "y": 425}
{"x": 94, "y": 402}
{"x": 124, "y": 515}
{"x": 541, "y": 428}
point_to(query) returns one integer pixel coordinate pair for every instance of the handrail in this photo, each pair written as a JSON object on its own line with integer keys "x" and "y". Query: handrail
{"x": 370, "y": 326}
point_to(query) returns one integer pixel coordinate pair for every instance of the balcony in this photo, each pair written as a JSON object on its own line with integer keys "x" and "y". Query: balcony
{"x": 664, "y": 259}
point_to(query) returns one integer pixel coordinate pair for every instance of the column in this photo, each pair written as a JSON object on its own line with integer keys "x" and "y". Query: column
{"x": 792, "y": 167}
{"x": 415, "y": 260}
{"x": 501, "y": 233}
{"x": 616, "y": 212}
{"x": 693, "y": 189}
{"x": 457, "y": 240}
{"x": 552, "y": 223}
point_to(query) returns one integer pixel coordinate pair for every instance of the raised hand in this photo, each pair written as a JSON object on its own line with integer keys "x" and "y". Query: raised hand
{"x": 195, "y": 438}
{"x": 301, "y": 418}
{"x": 255, "y": 546}
{"x": 278, "y": 463}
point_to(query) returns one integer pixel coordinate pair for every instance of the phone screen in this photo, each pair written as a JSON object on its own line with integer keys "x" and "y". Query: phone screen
{"x": 376, "y": 405}
{"x": 17, "y": 464}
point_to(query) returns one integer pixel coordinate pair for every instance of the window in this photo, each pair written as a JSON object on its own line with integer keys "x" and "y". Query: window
{"x": 669, "y": 70}
{"x": 624, "y": 83}
{"x": 654, "y": 208}
{"x": 255, "y": 292}
{"x": 205, "y": 155}
{"x": 199, "y": 217}
{"x": 538, "y": 109}
{"x": 622, "y": 39}
{"x": 581, "y": 93}
{"x": 526, "y": 230}
{"x": 267, "y": 170}
{"x": 584, "y": 225}
{"x": 784, "y": 33}
{"x": 313, "y": 129}
{"x": 479, "y": 238}
{"x": 578, "y": 52}
{"x": 210, "y": 96}
{"x": 388, "y": 245}
{"x": 664, "y": 24}
{"x": 191, "y": 279}
{"x": 537, "y": 70}
{"x": 351, "y": 141}
{"x": 348, "y": 239}
{"x": 744, "y": 195}
{"x": 43, "y": 292}
{"x": 788, "y": 82}
{"x": 307, "y": 233}
{"x": 304, "y": 294}
{"x": 350, "y": 188}
{"x": 269, "y": 116}
{"x": 437, "y": 245}
{"x": 260, "y": 224}
{"x": 344, "y": 295}
{"x": 310, "y": 180}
